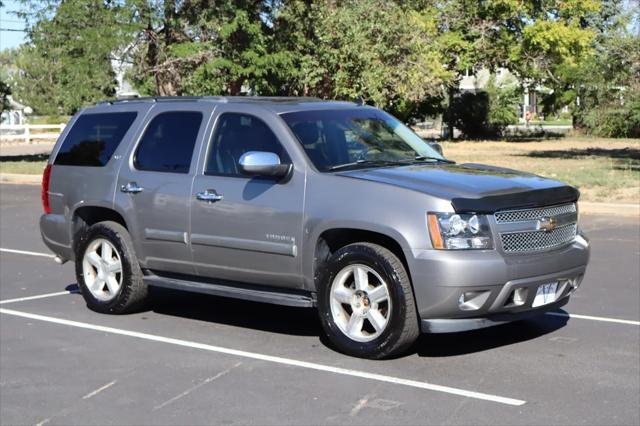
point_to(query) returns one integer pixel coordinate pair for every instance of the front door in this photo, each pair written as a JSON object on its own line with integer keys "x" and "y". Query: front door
{"x": 246, "y": 228}
{"x": 154, "y": 186}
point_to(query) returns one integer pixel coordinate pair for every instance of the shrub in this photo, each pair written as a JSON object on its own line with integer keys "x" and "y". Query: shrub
{"x": 615, "y": 120}
{"x": 486, "y": 113}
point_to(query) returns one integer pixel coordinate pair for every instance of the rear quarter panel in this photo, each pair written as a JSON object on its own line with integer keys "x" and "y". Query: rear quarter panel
{"x": 72, "y": 187}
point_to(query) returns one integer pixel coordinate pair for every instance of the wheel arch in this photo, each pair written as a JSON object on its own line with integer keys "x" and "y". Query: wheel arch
{"x": 331, "y": 238}
{"x": 86, "y": 215}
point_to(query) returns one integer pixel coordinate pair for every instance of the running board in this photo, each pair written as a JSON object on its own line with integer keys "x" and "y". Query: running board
{"x": 234, "y": 290}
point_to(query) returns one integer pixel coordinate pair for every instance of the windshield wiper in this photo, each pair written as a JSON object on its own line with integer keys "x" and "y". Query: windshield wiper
{"x": 424, "y": 158}
{"x": 383, "y": 163}
{"x": 364, "y": 163}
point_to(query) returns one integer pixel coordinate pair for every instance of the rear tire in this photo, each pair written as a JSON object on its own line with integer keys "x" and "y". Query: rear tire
{"x": 366, "y": 302}
{"x": 108, "y": 271}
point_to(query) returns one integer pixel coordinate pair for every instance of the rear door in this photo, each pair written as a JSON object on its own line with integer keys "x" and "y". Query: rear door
{"x": 252, "y": 233}
{"x": 155, "y": 185}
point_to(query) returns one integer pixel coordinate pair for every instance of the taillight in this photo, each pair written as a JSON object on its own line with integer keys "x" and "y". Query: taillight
{"x": 46, "y": 177}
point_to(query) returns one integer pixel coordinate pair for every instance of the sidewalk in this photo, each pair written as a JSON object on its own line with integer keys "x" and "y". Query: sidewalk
{"x": 8, "y": 149}
{"x": 613, "y": 209}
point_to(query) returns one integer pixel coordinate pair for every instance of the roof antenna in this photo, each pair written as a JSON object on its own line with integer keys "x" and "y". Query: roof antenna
{"x": 359, "y": 101}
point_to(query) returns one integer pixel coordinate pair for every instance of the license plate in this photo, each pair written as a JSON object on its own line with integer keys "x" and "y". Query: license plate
{"x": 546, "y": 293}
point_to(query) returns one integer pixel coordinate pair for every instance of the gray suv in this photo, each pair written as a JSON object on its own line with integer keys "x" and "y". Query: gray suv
{"x": 303, "y": 202}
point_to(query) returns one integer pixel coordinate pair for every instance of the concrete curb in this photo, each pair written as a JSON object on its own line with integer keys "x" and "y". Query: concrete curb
{"x": 586, "y": 207}
{"x": 20, "y": 179}
{"x": 614, "y": 209}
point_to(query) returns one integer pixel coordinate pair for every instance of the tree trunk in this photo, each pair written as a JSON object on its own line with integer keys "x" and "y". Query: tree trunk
{"x": 235, "y": 87}
{"x": 167, "y": 83}
{"x": 450, "y": 115}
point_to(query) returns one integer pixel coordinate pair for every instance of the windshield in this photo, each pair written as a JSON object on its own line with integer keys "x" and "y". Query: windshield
{"x": 359, "y": 137}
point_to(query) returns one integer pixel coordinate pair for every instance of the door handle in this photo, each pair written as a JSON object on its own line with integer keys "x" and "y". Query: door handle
{"x": 209, "y": 195}
{"x": 131, "y": 188}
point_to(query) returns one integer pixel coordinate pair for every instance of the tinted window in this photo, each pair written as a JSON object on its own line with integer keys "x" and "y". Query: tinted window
{"x": 168, "y": 142}
{"x": 236, "y": 134}
{"x": 94, "y": 138}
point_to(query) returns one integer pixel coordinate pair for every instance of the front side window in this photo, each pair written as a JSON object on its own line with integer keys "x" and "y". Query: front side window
{"x": 168, "y": 142}
{"x": 94, "y": 138}
{"x": 362, "y": 137}
{"x": 236, "y": 134}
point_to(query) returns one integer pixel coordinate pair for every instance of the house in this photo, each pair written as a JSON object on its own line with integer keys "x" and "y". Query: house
{"x": 478, "y": 81}
{"x": 16, "y": 114}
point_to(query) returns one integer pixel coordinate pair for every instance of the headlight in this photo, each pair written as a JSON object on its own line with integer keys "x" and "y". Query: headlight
{"x": 452, "y": 231}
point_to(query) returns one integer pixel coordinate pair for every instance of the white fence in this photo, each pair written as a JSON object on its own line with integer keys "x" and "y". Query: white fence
{"x": 30, "y": 133}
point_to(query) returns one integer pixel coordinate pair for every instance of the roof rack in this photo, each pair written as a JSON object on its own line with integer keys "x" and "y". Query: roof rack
{"x": 221, "y": 99}
{"x": 128, "y": 99}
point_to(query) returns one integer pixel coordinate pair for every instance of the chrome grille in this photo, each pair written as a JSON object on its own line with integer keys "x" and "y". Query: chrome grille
{"x": 533, "y": 214}
{"x": 519, "y": 242}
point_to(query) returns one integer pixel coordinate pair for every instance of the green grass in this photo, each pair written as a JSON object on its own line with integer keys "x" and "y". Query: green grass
{"x": 23, "y": 164}
{"x": 49, "y": 119}
{"x": 558, "y": 122}
{"x": 605, "y": 170}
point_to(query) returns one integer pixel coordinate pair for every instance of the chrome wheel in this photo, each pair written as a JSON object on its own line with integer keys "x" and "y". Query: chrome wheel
{"x": 360, "y": 303}
{"x": 102, "y": 269}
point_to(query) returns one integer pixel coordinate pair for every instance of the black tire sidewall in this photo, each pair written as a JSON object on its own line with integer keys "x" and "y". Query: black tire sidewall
{"x": 127, "y": 257}
{"x": 362, "y": 254}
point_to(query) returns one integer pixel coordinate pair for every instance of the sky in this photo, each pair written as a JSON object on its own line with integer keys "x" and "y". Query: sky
{"x": 10, "y": 39}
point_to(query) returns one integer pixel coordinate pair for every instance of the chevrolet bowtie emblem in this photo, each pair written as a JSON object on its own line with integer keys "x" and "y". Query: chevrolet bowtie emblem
{"x": 547, "y": 224}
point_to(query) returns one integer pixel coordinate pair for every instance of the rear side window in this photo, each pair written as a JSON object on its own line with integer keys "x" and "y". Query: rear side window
{"x": 167, "y": 144}
{"x": 94, "y": 138}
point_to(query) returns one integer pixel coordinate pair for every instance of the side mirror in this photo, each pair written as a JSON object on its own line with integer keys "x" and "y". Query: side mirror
{"x": 261, "y": 163}
{"x": 437, "y": 147}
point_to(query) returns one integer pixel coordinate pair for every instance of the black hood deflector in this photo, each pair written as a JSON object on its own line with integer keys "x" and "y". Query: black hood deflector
{"x": 518, "y": 200}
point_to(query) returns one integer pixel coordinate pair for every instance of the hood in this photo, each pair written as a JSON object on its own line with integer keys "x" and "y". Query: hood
{"x": 473, "y": 187}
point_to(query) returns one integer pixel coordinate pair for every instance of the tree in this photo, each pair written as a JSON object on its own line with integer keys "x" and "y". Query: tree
{"x": 5, "y": 91}
{"x": 67, "y": 64}
{"x": 533, "y": 40}
{"x": 405, "y": 56}
{"x": 6, "y": 63}
{"x": 345, "y": 50}
{"x": 608, "y": 83}
{"x": 213, "y": 47}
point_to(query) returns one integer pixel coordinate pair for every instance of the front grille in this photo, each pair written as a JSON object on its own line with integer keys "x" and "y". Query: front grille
{"x": 533, "y": 214}
{"x": 528, "y": 241}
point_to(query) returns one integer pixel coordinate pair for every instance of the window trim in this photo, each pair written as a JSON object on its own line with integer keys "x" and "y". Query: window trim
{"x": 214, "y": 133}
{"x": 58, "y": 150}
{"x": 134, "y": 155}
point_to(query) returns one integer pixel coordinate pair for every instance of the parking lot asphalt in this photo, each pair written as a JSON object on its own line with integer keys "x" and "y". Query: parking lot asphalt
{"x": 193, "y": 359}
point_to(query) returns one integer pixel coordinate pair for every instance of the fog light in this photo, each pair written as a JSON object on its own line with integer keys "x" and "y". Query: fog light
{"x": 575, "y": 283}
{"x": 472, "y": 300}
{"x": 519, "y": 296}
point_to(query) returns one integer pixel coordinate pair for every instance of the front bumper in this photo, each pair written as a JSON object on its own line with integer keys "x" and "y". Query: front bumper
{"x": 440, "y": 278}
{"x": 465, "y": 324}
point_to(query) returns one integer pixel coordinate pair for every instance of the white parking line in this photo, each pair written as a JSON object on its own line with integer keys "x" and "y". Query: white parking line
{"x": 556, "y": 314}
{"x": 100, "y": 389}
{"x": 588, "y": 317}
{"x": 270, "y": 358}
{"x": 28, "y": 253}
{"x": 39, "y": 296}
{"x": 199, "y": 385}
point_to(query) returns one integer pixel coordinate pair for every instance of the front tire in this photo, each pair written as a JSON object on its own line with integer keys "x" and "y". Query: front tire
{"x": 107, "y": 270}
{"x": 366, "y": 303}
